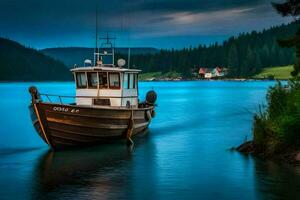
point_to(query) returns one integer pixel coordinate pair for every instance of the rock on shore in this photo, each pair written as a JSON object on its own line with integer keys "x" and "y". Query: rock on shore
{"x": 291, "y": 156}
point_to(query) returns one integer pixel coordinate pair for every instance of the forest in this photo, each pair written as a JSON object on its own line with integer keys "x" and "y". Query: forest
{"x": 19, "y": 63}
{"x": 244, "y": 55}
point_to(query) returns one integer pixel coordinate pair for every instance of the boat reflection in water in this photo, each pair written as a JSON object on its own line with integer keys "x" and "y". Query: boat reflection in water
{"x": 79, "y": 172}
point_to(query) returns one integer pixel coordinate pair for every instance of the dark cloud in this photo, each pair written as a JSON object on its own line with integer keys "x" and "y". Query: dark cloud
{"x": 72, "y": 22}
{"x": 195, "y": 5}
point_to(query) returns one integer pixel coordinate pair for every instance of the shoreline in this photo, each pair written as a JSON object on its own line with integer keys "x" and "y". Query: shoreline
{"x": 65, "y": 81}
{"x": 156, "y": 80}
{"x": 290, "y": 156}
{"x": 227, "y": 79}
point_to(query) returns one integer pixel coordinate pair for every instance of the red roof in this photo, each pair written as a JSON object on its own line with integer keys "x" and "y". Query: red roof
{"x": 202, "y": 70}
{"x": 218, "y": 69}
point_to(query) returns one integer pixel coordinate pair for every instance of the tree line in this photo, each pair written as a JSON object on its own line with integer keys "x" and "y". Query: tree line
{"x": 243, "y": 55}
{"x": 19, "y": 63}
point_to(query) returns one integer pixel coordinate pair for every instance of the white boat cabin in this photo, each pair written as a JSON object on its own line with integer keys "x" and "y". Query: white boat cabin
{"x": 106, "y": 86}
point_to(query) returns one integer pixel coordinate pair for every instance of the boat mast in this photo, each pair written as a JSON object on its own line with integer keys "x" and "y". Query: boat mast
{"x": 96, "y": 54}
{"x": 112, "y": 49}
{"x": 109, "y": 45}
{"x": 128, "y": 57}
{"x": 129, "y": 49}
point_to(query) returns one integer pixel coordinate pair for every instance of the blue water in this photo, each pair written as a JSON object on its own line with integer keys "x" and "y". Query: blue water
{"x": 183, "y": 156}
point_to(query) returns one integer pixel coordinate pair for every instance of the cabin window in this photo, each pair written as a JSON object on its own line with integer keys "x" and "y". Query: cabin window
{"x": 92, "y": 79}
{"x": 125, "y": 81}
{"x": 103, "y": 80}
{"x": 128, "y": 82}
{"x": 81, "y": 80}
{"x": 114, "y": 80}
{"x": 134, "y": 81}
{"x": 131, "y": 81}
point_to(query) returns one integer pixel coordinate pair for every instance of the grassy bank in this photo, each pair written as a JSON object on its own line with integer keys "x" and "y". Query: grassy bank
{"x": 281, "y": 72}
{"x": 149, "y": 76}
{"x": 276, "y": 127}
{"x": 158, "y": 76}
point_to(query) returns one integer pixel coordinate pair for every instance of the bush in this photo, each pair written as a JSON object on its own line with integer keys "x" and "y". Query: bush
{"x": 278, "y": 126}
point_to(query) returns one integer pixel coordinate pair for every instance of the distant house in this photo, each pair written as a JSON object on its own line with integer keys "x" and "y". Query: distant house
{"x": 202, "y": 72}
{"x": 217, "y": 71}
{"x": 209, "y": 73}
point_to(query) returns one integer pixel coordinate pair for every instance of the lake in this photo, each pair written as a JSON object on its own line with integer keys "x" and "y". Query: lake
{"x": 184, "y": 155}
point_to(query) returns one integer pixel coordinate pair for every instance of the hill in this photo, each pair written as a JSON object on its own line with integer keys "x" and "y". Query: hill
{"x": 76, "y": 55}
{"x": 283, "y": 72}
{"x": 245, "y": 55}
{"x": 19, "y": 63}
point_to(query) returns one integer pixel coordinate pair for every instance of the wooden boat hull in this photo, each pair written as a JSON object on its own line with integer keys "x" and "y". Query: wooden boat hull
{"x": 63, "y": 126}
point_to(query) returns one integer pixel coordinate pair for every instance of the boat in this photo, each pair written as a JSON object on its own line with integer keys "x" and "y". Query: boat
{"x": 105, "y": 109}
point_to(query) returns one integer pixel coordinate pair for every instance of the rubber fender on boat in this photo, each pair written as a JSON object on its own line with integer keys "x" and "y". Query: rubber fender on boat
{"x": 151, "y": 97}
{"x": 33, "y": 90}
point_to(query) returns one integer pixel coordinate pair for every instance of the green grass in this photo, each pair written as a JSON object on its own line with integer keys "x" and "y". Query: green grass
{"x": 276, "y": 127}
{"x": 149, "y": 76}
{"x": 158, "y": 75}
{"x": 282, "y": 72}
{"x": 171, "y": 75}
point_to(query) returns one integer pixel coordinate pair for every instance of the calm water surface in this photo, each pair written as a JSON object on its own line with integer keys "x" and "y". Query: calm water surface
{"x": 183, "y": 156}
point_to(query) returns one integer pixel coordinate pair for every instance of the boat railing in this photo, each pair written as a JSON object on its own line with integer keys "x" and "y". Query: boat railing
{"x": 61, "y": 97}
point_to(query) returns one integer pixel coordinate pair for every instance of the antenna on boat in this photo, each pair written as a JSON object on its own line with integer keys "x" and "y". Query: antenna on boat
{"x": 96, "y": 54}
{"x": 128, "y": 57}
{"x": 128, "y": 39}
{"x": 105, "y": 45}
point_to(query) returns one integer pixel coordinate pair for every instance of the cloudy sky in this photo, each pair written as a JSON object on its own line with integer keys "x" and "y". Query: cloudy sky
{"x": 152, "y": 23}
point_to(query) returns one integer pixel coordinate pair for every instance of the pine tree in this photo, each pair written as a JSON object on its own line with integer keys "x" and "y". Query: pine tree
{"x": 232, "y": 54}
{"x": 247, "y": 63}
{"x": 233, "y": 61}
{"x": 291, "y": 8}
{"x": 257, "y": 63}
{"x": 265, "y": 55}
